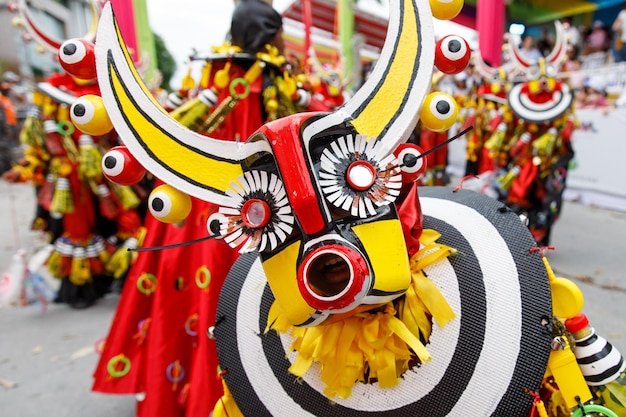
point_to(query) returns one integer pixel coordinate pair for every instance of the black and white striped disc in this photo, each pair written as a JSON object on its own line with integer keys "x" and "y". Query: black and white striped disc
{"x": 531, "y": 111}
{"x": 483, "y": 361}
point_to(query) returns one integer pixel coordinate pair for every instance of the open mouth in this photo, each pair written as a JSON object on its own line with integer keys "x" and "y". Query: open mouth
{"x": 329, "y": 275}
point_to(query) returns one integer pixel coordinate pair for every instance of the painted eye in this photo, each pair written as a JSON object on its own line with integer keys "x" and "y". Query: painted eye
{"x": 452, "y": 54}
{"x": 550, "y": 71}
{"x": 216, "y": 225}
{"x": 78, "y": 58}
{"x": 355, "y": 178}
{"x": 90, "y": 116}
{"x": 168, "y": 204}
{"x": 361, "y": 175}
{"x": 439, "y": 112}
{"x": 411, "y": 163}
{"x": 446, "y": 9}
{"x": 259, "y": 217}
{"x": 120, "y": 167}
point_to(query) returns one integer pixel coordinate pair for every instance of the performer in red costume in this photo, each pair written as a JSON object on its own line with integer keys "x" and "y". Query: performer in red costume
{"x": 76, "y": 207}
{"x": 158, "y": 347}
{"x": 329, "y": 308}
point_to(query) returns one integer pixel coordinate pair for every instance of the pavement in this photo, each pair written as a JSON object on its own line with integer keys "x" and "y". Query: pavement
{"x": 47, "y": 358}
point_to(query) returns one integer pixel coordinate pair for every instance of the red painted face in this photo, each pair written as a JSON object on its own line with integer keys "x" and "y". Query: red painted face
{"x": 325, "y": 201}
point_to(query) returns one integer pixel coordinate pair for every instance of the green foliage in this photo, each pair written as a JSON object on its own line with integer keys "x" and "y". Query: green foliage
{"x": 165, "y": 62}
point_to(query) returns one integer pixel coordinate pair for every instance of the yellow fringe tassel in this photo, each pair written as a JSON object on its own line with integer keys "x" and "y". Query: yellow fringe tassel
{"x": 89, "y": 158}
{"x": 373, "y": 346}
{"x": 193, "y": 114}
{"x": 121, "y": 259}
{"x": 81, "y": 270}
{"x": 226, "y": 406}
{"x": 53, "y": 263}
{"x": 32, "y": 133}
{"x": 127, "y": 196}
{"x": 505, "y": 180}
{"x": 62, "y": 201}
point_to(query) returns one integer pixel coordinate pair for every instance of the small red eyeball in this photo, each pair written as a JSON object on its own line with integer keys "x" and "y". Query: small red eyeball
{"x": 411, "y": 162}
{"x": 13, "y": 7}
{"x": 120, "y": 167}
{"x": 27, "y": 37}
{"x": 452, "y": 54}
{"x": 78, "y": 58}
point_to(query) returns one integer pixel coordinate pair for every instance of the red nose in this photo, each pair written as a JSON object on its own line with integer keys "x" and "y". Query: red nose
{"x": 333, "y": 277}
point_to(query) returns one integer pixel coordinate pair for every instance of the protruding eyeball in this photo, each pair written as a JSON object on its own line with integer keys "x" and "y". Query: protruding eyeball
{"x": 446, "y": 9}
{"x": 13, "y": 7}
{"x": 452, "y": 54}
{"x": 18, "y": 23}
{"x": 410, "y": 160}
{"x": 120, "y": 167}
{"x": 168, "y": 204}
{"x": 90, "y": 116}
{"x": 215, "y": 224}
{"x": 78, "y": 58}
{"x": 439, "y": 112}
{"x": 27, "y": 37}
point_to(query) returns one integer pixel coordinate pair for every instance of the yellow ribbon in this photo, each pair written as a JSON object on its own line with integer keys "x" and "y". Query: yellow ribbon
{"x": 378, "y": 345}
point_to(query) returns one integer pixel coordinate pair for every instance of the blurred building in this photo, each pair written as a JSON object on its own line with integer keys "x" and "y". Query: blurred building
{"x": 56, "y": 19}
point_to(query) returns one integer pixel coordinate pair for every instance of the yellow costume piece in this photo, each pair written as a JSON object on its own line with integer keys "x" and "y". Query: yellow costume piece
{"x": 378, "y": 345}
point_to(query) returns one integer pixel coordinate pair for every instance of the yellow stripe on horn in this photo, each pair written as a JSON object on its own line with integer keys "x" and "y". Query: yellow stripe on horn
{"x": 388, "y": 100}
{"x": 181, "y": 160}
{"x": 131, "y": 65}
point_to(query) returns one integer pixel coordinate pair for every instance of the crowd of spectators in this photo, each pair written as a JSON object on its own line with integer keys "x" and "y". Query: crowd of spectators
{"x": 589, "y": 49}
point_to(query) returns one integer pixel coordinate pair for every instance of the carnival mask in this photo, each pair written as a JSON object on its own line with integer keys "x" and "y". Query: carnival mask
{"x": 313, "y": 193}
{"x": 542, "y": 97}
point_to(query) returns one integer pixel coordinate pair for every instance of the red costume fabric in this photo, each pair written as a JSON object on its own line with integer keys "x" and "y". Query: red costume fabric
{"x": 75, "y": 206}
{"x": 158, "y": 346}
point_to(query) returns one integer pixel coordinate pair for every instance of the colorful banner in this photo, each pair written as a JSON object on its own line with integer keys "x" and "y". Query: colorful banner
{"x": 145, "y": 41}
{"x": 490, "y": 25}
{"x": 125, "y": 15}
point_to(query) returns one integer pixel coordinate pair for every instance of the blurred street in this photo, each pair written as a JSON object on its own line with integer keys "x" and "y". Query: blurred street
{"x": 46, "y": 358}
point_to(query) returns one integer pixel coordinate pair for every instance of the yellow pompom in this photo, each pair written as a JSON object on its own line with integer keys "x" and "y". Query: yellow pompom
{"x": 81, "y": 269}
